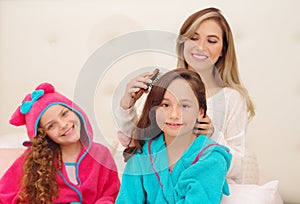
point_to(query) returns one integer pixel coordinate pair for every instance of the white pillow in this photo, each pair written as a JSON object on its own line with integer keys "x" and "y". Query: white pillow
{"x": 253, "y": 194}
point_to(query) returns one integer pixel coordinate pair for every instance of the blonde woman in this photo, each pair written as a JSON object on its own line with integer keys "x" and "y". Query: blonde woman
{"x": 205, "y": 45}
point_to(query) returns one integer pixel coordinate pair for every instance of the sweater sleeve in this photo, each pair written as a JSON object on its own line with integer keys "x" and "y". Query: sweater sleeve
{"x": 234, "y": 133}
{"x": 203, "y": 182}
{"x": 10, "y": 183}
{"x": 127, "y": 119}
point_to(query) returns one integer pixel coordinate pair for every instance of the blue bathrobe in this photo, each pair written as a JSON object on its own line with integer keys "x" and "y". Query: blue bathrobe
{"x": 199, "y": 176}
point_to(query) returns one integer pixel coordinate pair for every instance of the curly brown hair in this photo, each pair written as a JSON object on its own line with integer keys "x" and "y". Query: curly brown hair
{"x": 42, "y": 162}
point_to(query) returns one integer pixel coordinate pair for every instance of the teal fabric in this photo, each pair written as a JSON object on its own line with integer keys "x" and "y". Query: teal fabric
{"x": 70, "y": 163}
{"x": 201, "y": 182}
{"x": 27, "y": 105}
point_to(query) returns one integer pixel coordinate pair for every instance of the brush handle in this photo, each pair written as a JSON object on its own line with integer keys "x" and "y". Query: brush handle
{"x": 136, "y": 95}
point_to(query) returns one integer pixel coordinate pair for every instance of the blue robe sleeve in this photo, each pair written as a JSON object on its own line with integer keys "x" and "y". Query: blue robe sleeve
{"x": 132, "y": 190}
{"x": 203, "y": 182}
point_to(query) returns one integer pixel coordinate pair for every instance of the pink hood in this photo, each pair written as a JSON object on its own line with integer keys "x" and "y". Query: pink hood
{"x": 35, "y": 104}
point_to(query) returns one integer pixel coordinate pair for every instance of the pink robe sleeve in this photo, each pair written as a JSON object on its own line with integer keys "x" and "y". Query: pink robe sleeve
{"x": 10, "y": 183}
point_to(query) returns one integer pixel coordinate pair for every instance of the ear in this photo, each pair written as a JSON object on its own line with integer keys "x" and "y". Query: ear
{"x": 47, "y": 87}
{"x": 17, "y": 118}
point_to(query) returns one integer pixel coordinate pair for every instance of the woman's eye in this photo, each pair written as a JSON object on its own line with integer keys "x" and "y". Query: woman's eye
{"x": 194, "y": 38}
{"x": 212, "y": 41}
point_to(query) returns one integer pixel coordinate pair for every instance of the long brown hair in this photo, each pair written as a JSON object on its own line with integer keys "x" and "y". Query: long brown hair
{"x": 40, "y": 169}
{"x": 147, "y": 126}
{"x": 226, "y": 66}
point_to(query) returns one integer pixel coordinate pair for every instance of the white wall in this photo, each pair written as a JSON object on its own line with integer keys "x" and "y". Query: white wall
{"x": 52, "y": 41}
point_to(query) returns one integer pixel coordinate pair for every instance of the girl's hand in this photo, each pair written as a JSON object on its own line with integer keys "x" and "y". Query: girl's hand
{"x": 135, "y": 89}
{"x": 204, "y": 126}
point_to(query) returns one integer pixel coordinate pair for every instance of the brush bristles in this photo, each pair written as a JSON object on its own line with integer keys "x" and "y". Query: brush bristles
{"x": 155, "y": 76}
{"x": 155, "y": 79}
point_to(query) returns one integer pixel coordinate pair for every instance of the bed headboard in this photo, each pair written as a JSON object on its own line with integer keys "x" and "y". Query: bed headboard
{"x": 54, "y": 40}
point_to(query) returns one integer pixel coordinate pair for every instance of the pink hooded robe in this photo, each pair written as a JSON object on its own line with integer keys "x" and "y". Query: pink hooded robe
{"x": 96, "y": 171}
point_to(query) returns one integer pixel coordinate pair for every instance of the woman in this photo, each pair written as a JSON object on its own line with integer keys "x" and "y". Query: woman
{"x": 205, "y": 44}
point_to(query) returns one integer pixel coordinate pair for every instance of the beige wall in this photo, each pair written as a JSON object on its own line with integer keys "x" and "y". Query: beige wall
{"x": 53, "y": 40}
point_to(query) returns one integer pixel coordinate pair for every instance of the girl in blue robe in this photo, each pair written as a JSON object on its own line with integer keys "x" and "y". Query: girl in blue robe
{"x": 169, "y": 162}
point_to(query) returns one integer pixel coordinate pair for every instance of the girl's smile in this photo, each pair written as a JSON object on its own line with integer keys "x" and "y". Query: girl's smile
{"x": 173, "y": 125}
{"x": 69, "y": 131}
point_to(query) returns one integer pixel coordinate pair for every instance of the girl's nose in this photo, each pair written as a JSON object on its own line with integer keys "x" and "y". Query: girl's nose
{"x": 175, "y": 112}
{"x": 63, "y": 124}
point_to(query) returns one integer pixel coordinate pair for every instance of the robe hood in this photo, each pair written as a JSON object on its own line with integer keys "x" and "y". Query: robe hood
{"x": 36, "y": 103}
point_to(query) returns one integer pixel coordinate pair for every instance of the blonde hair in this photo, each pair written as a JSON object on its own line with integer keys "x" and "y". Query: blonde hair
{"x": 226, "y": 66}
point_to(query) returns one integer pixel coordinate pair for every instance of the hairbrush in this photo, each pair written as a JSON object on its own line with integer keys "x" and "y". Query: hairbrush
{"x": 154, "y": 77}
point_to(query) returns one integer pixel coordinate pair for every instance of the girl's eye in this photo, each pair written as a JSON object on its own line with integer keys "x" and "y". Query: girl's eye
{"x": 165, "y": 105}
{"x": 65, "y": 112}
{"x": 185, "y": 106}
{"x": 50, "y": 126}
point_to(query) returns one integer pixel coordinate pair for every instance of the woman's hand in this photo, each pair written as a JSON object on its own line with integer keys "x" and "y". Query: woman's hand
{"x": 125, "y": 140}
{"x": 204, "y": 126}
{"x": 135, "y": 89}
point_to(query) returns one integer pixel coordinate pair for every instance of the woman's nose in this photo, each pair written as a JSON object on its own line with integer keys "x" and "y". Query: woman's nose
{"x": 200, "y": 44}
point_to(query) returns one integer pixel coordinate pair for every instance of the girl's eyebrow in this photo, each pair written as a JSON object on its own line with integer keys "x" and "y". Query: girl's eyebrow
{"x": 49, "y": 122}
{"x": 181, "y": 100}
{"x": 60, "y": 112}
{"x": 185, "y": 100}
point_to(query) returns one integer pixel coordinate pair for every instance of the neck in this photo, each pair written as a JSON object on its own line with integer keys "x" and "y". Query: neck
{"x": 176, "y": 146}
{"x": 70, "y": 153}
{"x": 211, "y": 84}
{"x": 179, "y": 141}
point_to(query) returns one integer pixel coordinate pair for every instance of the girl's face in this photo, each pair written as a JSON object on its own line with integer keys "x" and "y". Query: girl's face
{"x": 61, "y": 125}
{"x": 178, "y": 111}
{"x": 204, "y": 48}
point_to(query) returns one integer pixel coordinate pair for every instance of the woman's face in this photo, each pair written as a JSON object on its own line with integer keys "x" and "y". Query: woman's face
{"x": 61, "y": 125}
{"x": 204, "y": 48}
